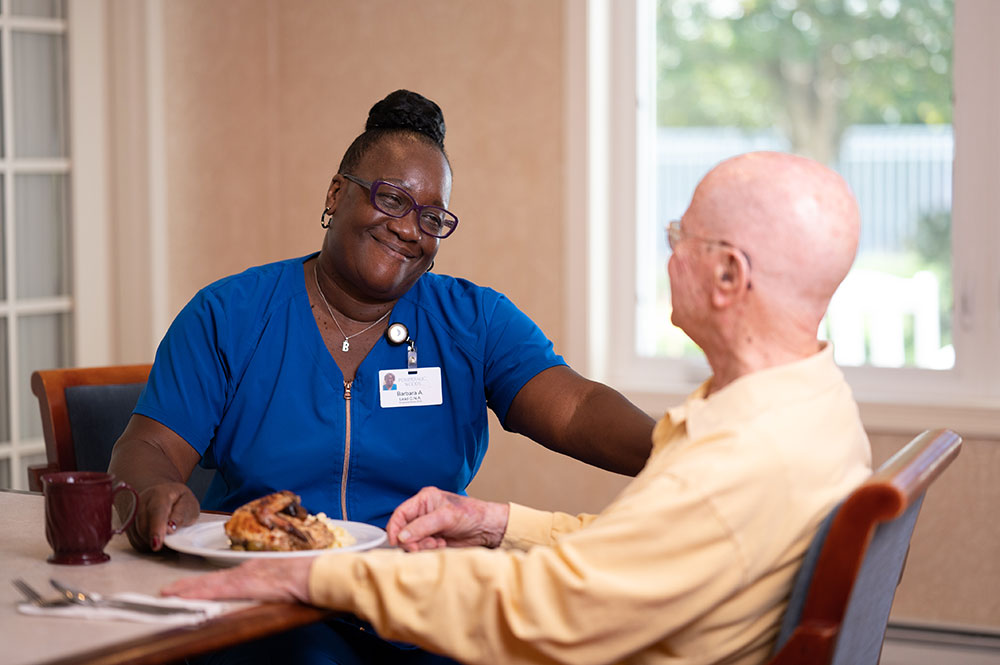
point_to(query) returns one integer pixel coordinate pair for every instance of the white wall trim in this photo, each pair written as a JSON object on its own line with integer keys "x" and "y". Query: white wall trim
{"x": 576, "y": 211}
{"x": 157, "y": 156}
{"x": 599, "y": 186}
{"x": 968, "y": 421}
{"x": 91, "y": 262}
{"x": 976, "y": 238}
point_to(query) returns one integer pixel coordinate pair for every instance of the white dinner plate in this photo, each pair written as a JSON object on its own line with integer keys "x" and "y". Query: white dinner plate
{"x": 209, "y": 540}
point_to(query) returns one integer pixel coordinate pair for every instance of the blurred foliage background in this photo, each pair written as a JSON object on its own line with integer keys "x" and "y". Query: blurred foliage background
{"x": 808, "y": 67}
{"x": 809, "y": 70}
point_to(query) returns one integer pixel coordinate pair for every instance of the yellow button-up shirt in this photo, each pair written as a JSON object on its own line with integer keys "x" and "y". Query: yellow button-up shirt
{"x": 691, "y": 563}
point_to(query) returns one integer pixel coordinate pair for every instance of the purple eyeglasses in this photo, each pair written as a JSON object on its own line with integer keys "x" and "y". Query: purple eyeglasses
{"x": 396, "y": 202}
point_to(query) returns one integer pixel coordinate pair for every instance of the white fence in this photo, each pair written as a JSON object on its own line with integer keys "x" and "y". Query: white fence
{"x": 899, "y": 173}
{"x": 867, "y": 319}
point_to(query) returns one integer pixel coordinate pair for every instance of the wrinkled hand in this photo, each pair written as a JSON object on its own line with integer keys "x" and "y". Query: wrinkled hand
{"x": 433, "y": 518}
{"x": 262, "y": 579}
{"x": 162, "y": 507}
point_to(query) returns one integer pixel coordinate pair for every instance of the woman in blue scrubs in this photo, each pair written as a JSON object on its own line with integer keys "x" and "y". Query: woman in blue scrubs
{"x": 274, "y": 376}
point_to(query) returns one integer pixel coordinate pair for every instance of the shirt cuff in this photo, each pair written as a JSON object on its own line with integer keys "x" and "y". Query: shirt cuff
{"x": 332, "y": 578}
{"x": 527, "y": 527}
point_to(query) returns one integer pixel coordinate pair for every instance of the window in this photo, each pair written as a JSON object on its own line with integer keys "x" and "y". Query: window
{"x": 862, "y": 86}
{"x": 35, "y": 282}
{"x": 894, "y": 146}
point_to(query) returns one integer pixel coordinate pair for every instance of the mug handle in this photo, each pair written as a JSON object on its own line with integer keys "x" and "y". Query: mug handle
{"x": 123, "y": 486}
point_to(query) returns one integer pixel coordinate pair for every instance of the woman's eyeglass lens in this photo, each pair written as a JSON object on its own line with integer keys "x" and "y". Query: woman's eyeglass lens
{"x": 395, "y": 201}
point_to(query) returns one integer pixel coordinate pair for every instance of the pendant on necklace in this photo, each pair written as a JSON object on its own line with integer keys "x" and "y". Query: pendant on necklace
{"x": 346, "y": 346}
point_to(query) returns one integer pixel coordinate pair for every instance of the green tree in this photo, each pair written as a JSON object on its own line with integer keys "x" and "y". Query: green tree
{"x": 808, "y": 67}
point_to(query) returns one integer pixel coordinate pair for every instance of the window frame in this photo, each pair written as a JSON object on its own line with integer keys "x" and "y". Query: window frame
{"x": 18, "y": 448}
{"x": 88, "y": 301}
{"x": 966, "y": 398}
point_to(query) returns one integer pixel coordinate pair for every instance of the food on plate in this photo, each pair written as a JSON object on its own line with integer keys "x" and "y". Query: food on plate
{"x": 278, "y": 523}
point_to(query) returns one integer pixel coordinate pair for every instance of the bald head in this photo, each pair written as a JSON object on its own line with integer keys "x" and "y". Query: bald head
{"x": 795, "y": 218}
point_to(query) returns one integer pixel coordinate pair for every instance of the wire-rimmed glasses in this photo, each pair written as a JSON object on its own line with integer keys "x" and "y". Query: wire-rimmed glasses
{"x": 396, "y": 202}
{"x": 675, "y": 234}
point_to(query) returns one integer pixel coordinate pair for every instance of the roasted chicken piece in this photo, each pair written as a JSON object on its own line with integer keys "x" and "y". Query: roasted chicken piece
{"x": 278, "y": 523}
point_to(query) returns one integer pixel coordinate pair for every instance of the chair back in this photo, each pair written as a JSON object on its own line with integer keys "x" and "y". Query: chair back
{"x": 839, "y": 606}
{"x": 84, "y": 410}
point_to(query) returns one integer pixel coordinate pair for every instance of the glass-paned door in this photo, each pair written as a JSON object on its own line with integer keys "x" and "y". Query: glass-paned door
{"x": 36, "y": 322}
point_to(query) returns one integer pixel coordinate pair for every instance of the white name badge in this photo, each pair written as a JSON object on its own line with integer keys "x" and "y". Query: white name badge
{"x": 409, "y": 387}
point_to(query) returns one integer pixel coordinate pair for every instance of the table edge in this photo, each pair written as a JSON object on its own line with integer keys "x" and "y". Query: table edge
{"x": 178, "y": 643}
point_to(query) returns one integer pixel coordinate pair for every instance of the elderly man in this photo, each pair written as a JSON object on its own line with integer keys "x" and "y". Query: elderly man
{"x": 693, "y": 561}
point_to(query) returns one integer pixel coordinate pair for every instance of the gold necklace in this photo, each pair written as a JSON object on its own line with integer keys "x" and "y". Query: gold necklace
{"x": 346, "y": 346}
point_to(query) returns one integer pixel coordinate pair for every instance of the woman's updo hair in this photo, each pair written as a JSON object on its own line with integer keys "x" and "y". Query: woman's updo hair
{"x": 401, "y": 112}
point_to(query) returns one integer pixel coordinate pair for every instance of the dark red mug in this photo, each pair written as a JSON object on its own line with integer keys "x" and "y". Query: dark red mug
{"x": 78, "y": 514}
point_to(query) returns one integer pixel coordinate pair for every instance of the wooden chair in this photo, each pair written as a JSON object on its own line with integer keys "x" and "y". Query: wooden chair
{"x": 84, "y": 411}
{"x": 840, "y": 601}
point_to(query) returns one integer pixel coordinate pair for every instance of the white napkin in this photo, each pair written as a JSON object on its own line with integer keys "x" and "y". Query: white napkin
{"x": 206, "y": 610}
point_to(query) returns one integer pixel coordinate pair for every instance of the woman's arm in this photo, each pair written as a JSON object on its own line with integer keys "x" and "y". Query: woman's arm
{"x": 584, "y": 419}
{"x": 156, "y": 462}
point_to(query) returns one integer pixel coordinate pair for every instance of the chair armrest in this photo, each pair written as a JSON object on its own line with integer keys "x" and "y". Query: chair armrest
{"x": 911, "y": 470}
{"x": 35, "y": 473}
{"x": 812, "y": 642}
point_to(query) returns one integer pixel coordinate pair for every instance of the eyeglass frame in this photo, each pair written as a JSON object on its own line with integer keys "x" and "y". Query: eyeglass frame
{"x": 373, "y": 185}
{"x": 675, "y": 234}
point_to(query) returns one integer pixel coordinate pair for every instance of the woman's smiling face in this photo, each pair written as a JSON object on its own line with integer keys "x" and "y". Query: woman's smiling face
{"x": 376, "y": 257}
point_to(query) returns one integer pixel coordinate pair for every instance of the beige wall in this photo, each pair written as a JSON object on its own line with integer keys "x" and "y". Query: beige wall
{"x": 263, "y": 96}
{"x": 952, "y": 574}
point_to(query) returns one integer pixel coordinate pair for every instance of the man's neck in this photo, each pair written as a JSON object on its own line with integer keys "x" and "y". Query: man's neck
{"x": 740, "y": 359}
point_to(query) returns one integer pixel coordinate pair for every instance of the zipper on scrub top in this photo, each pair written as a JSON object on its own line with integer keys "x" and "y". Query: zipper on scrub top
{"x": 347, "y": 448}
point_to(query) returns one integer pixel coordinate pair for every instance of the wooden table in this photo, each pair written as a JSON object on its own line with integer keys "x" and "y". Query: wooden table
{"x": 50, "y": 640}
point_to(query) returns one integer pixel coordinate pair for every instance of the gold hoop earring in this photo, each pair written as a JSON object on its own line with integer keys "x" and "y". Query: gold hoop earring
{"x": 322, "y": 218}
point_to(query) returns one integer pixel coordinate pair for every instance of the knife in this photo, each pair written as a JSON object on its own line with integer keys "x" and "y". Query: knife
{"x": 148, "y": 608}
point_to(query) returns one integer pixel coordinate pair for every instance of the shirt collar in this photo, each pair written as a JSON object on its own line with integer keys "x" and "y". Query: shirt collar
{"x": 749, "y": 395}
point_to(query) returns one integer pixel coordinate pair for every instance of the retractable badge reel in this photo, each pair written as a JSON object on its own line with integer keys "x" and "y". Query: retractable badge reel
{"x": 397, "y": 334}
{"x": 412, "y": 386}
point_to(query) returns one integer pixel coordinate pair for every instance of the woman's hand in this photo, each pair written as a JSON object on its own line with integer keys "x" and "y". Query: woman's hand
{"x": 262, "y": 579}
{"x": 162, "y": 508}
{"x": 433, "y": 518}
{"x": 155, "y": 462}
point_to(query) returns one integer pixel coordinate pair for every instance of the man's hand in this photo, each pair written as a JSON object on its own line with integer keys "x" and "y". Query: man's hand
{"x": 433, "y": 518}
{"x": 262, "y": 579}
{"x": 161, "y": 508}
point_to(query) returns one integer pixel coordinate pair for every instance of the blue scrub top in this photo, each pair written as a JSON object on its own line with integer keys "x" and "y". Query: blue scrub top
{"x": 243, "y": 376}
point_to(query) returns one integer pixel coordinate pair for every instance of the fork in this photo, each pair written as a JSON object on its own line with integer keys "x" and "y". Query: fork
{"x": 34, "y": 597}
{"x": 92, "y": 599}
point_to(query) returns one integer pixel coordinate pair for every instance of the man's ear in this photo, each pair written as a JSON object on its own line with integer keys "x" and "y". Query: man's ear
{"x": 731, "y": 278}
